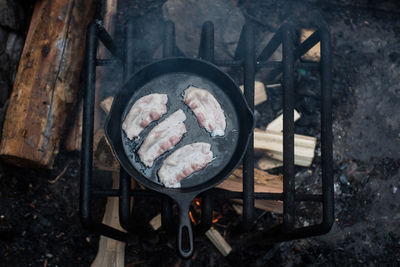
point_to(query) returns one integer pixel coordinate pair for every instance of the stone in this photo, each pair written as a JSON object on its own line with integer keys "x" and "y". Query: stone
{"x": 10, "y": 14}
{"x": 3, "y": 39}
{"x": 14, "y": 46}
{"x": 4, "y": 89}
{"x": 189, "y": 16}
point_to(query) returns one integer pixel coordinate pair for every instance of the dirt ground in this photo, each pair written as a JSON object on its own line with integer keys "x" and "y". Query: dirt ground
{"x": 39, "y": 222}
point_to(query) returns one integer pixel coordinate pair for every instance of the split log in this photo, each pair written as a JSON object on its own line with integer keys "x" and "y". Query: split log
{"x": 75, "y": 132}
{"x": 260, "y": 95}
{"x": 47, "y": 81}
{"x": 271, "y": 143}
{"x": 111, "y": 252}
{"x": 262, "y": 204}
{"x": 268, "y": 163}
{"x": 73, "y": 141}
{"x": 263, "y": 182}
{"x": 106, "y": 104}
{"x": 103, "y": 156}
{"x": 103, "y": 82}
{"x": 314, "y": 54}
{"x": 277, "y": 124}
{"x": 238, "y": 209}
{"x": 219, "y": 242}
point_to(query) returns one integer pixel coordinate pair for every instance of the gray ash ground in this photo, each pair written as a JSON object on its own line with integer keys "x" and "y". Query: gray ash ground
{"x": 39, "y": 221}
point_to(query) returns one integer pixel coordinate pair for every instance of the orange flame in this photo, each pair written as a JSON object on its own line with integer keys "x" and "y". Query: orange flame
{"x": 191, "y": 218}
{"x": 196, "y": 211}
{"x": 216, "y": 217}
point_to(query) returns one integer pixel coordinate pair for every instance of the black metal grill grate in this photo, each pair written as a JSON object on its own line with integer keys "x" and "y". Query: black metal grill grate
{"x": 245, "y": 59}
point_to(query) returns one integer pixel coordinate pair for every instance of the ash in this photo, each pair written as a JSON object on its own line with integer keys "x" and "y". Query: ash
{"x": 39, "y": 220}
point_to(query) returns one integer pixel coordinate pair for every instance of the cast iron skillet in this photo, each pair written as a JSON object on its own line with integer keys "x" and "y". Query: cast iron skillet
{"x": 172, "y": 76}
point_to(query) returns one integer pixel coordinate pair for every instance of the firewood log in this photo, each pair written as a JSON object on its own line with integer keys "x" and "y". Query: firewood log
{"x": 263, "y": 182}
{"x": 111, "y": 252}
{"x": 47, "y": 81}
{"x": 271, "y": 144}
{"x": 277, "y": 124}
{"x": 266, "y": 163}
{"x": 75, "y": 132}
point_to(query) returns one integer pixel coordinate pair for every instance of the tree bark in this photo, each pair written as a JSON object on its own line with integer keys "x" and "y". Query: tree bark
{"x": 47, "y": 81}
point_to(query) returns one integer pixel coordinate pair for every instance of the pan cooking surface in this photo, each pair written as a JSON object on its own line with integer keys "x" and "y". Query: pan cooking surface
{"x": 174, "y": 85}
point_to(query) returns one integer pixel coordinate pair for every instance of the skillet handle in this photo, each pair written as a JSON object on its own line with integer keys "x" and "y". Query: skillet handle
{"x": 185, "y": 233}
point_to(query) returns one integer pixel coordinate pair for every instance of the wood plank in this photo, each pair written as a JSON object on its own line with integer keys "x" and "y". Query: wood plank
{"x": 46, "y": 83}
{"x": 271, "y": 144}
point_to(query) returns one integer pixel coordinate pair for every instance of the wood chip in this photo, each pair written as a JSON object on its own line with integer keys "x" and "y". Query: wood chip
{"x": 219, "y": 242}
{"x": 274, "y": 85}
{"x": 155, "y": 223}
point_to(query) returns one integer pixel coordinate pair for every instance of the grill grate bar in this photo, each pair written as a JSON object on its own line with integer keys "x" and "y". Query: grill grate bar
{"x": 246, "y": 60}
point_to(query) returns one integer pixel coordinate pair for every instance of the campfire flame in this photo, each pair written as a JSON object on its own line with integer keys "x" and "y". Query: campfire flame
{"x": 192, "y": 218}
{"x": 216, "y": 217}
{"x": 195, "y": 213}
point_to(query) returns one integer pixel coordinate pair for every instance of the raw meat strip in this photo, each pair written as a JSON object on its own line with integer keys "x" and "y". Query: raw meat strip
{"x": 163, "y": 137}
{"x": 145, "y": 110}
{"x": 207, "y": 110}
{"x": 183, "y": 162}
